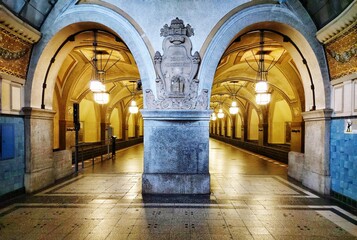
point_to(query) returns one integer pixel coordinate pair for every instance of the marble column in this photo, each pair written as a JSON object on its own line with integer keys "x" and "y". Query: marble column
{"x": 316, "y": 170}
{"x": 39, "y": 171}
{"x": 176, "y": 152}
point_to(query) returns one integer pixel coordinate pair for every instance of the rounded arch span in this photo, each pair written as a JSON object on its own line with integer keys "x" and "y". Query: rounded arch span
{"x": 73, "y": 19}
{"x": 279, "y": 19}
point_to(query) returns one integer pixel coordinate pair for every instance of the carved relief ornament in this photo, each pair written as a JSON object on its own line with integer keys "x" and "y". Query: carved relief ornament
{"x": 176, "y": 70}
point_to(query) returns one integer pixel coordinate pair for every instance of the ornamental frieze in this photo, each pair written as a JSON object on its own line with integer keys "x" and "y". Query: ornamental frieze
{"x": 342, "y": 54}
{"x": 14, "y": 54}
{"x": 176, "y": 69}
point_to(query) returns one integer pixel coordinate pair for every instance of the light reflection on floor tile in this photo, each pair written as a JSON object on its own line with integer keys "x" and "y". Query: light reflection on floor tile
{"x": 248, "y": 201}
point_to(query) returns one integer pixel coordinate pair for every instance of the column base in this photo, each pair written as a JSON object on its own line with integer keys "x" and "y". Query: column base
{"x": 168, "y": 183}
{"x": 317, "y": 182}
{"x": 37, "y": 180}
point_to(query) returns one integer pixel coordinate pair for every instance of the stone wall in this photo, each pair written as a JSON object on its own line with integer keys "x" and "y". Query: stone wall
{"x": 343, "y": 160}
{"x": 12, "y": 169}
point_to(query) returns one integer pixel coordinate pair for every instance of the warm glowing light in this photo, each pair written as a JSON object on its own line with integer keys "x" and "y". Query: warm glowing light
{"x": 213, "y": 117}
{"x": 220, "y": 113}
{"x": 233, "y": 108}
{"x": 262, "y": 98}
{"x": 97, "y": 86}
{"x": 261, "y": 87}
{"x": 101, "y": 97}
{"x": 133, "y": 107}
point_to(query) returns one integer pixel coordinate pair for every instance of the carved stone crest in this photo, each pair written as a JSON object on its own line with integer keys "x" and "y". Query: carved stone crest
{"x": 176, "y": 70}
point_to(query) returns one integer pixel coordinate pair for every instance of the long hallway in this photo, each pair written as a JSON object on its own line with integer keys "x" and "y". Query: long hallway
{"x": 251, "y": 198}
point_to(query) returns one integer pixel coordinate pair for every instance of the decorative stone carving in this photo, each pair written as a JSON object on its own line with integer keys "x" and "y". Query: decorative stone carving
{"x": 176, "y": 70}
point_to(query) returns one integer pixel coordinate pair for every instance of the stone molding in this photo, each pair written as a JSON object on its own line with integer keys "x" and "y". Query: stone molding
{"x": 317, "y": 115}
{"x": 19, "y": 28}
{"x": 339, "y": 25}
{"x": 37, "y": 113}
{"x": 177, "y": 115}
{"x": 176, "y": 69}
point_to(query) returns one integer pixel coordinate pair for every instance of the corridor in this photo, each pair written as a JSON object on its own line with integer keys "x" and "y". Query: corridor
{"x": 251, "y": 198}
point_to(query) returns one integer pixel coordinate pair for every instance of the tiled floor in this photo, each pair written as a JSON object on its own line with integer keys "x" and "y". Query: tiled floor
{"x": 251, "y": 199}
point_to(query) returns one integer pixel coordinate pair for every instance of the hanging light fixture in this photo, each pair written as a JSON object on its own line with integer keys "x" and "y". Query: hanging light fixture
{"x": 220, "y": 113}
{"x": 262, "y": 96}
{"x": 133, "y": 108}
{"x": 213, "y": 116}
{"x": 96, "y": 85}
{"x": 101, "y": 97}
{"x": 233, "y": 109}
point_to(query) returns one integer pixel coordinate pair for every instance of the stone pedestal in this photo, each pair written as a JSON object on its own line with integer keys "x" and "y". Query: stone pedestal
{"x": 39, "y": 171}
{"x": 316, "y": 172}
{"x": 176, "y": 152}
{"x": 296, "y": 165}
{"x": 62, "y": 163}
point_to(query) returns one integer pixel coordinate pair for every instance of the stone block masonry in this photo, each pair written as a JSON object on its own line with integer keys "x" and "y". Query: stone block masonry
{"x": 176, "y": 152}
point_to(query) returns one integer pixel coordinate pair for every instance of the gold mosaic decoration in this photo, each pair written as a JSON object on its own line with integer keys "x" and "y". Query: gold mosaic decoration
{"x": 342, "y": 54}
{"x": 14, "y": 54}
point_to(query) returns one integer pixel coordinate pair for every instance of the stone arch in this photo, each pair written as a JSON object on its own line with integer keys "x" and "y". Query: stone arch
{"x": 74, "y": 19}
{"x": 281, "y": 19}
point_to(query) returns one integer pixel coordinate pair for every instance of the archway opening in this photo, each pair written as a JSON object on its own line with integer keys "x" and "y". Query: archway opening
{"x": 83, "y": 55}
{"x": 259, "y": 125}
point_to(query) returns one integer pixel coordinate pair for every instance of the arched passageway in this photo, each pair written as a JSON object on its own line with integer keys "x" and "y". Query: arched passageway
{"x": 298, "y": 85}
{"x": 60, "y": 72}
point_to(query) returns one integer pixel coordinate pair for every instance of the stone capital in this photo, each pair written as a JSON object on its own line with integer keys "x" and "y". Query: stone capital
{"x": 317, "y": 115}
{"x": 37, "y": 113}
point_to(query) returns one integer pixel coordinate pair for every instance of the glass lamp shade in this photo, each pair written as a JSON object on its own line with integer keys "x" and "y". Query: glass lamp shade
{"x": 220, "y": 113}
{"x": 101, "y": 97}
{"x": 213, "y": 117}
{"x": 233, "y": 108}
{"x": 96, "y": 86}
{"x": 261, "y": 87}
{"x": 133, "y": 107}
{"x": 262, "y": 98}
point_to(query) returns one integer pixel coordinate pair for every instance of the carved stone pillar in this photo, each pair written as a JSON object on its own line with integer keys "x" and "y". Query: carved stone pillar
{"x": 66, "y": 134}
{"x": 244, "y": 134}
{"x": 297, "y": 136}
{"x": 263, "y": 134}
{"x": 176, "y": 120}
{"x": 316, "y": 172}
{"x": 103, "y": 131}
{"x": 62, "y": 134}
{"x": 39, "y": 171}
{"x": 137, "y": 131}
{"x": 126, "y": 132}
{"x": 233, "y": 127}
{"x": 176, "y": 152}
